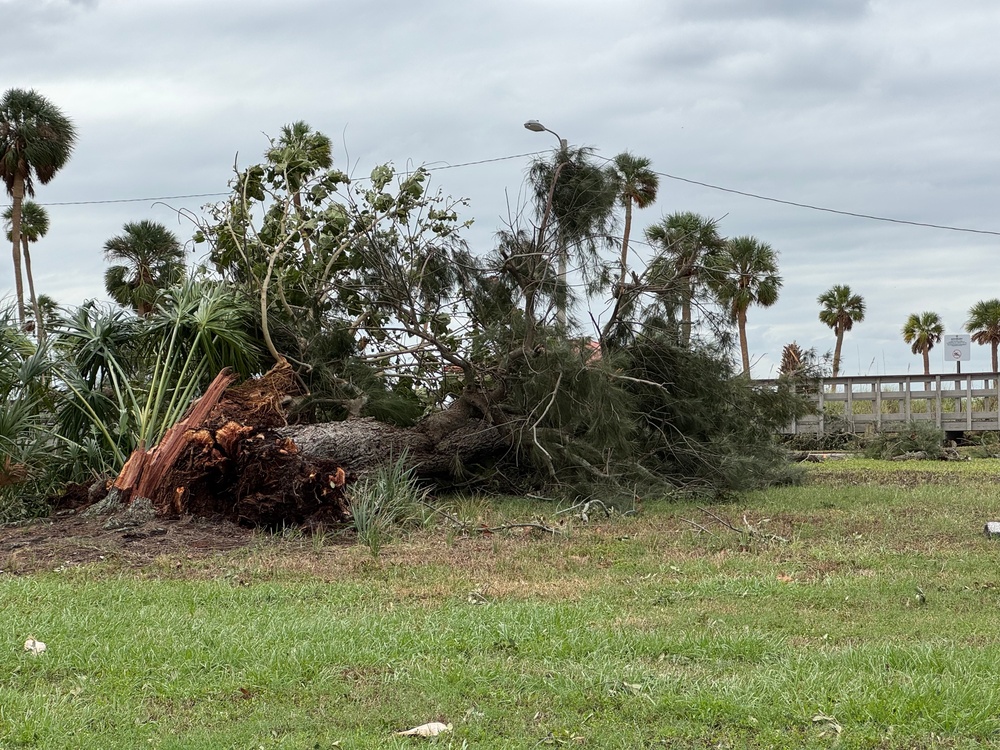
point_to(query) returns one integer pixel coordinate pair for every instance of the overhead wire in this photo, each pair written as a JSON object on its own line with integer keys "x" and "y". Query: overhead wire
{"x": 747, "y": 194}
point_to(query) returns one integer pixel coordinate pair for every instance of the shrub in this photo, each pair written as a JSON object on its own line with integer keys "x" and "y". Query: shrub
{"x": 915, "y": 437}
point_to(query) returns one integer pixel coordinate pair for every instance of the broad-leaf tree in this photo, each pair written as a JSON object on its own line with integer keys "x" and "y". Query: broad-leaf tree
{"x": 34, "y": 226}
{"x": 688, "y": 243}
{"x": 36, "y": 140}
{"x": 746, "y": 274}
{"x": 457, "y": 358}
{"x": 984, "y": 325}
{"x": 840, "y": 310}
{"x": 922, "y": 331}
{"x": 147, "y": 258}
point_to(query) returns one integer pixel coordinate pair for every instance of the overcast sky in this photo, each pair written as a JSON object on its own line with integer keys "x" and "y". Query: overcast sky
{"x": 887, "y": 107}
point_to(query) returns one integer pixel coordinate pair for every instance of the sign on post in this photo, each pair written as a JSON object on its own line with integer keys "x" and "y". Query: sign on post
{"x": 958, "y": 347}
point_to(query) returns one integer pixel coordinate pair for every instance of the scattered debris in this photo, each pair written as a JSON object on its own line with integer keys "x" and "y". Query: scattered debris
{"x": 831, "y": 728}
{"x": 992, "y": 529}
{"x": 34, "y": 647}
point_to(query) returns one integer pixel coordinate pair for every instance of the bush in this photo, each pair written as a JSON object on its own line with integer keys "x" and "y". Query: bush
{"x": 915, "y": 437}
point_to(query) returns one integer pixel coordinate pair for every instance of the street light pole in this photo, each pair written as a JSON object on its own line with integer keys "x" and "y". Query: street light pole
{"x": 562, "y": 270}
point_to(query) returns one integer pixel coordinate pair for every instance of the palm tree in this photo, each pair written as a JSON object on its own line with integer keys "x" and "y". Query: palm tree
{"x": 746, "y": 274}
{"x": 36, "y": 140}
{"x": 636, "y": 184}
{"x": 576, "y": 198}
{"x": 299, "y": 153}
{"x": 690, "y": 242}
{"x": 984, "y": 325}
{"x": 841, "y": 310}
{"x": 152, "y": 260}
{"x": 34, "y": 226}
{"x": 922, "y": 332}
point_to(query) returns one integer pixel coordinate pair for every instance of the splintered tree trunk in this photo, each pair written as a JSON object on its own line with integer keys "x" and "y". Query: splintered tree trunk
{"x": 233, "y": 456}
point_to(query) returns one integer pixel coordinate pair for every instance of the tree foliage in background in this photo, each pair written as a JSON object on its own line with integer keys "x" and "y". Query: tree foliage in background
{"x": 687, "y": 246}
{"x": 840, "y": 310}
{"x": 744, "y": 275}
{"x": 34, "y": 226}
{"x": 147, "y": 259}
{"x": 36, "y": 140}
{"x": 922, "y": 331}
{"x": 984, "y": 325}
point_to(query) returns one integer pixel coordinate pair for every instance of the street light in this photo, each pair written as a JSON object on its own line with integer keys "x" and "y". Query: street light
{"x": 536, "y": 127}
{"x": 563, "y": 260}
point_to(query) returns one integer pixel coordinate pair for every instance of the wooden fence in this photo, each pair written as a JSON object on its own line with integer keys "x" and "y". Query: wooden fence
{"x": 955, "y": 403}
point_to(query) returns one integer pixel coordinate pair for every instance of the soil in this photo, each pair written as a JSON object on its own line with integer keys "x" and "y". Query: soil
{"x": 70, "y": 538}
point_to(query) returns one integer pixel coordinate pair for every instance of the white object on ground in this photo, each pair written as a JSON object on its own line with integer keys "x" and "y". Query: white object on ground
{"x": 432, "y": 729}
{"x": 34, "y": 647}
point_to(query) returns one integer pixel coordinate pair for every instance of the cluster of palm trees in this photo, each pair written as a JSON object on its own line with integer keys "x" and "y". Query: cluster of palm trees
{"x": 841, "y": 308}
{"x": 693, "y": 261}
{"x": 36, "y": 140}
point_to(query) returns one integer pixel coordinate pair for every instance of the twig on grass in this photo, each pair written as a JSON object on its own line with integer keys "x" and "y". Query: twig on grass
{"x": 482, "y": 528}
{"x": 698, "y": 526}
{"x": 747, "y": 528}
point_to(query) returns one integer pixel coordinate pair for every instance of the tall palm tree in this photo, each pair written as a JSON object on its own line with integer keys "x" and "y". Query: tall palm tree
{"x": 746, "y": 274}
{"x": 636, "y": 184}
{"x": 689, "y": 242}
{"x": 34, "y": 226}
{"x": 841, "y": 309}
{"x": 922, "y": 332}
{"x": 984, "y": 325}
{"x": 151, "y": 259}
{"x": 576, "y": 198}
{"x": 299, "y": 153}
{"x": 36, "y": 140}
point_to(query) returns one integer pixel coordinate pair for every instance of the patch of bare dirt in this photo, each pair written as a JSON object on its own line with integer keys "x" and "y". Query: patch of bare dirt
{"x": 70, "y": 539}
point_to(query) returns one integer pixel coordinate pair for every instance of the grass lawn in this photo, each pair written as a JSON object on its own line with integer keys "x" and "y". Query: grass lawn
{"x": 861, "y": 610}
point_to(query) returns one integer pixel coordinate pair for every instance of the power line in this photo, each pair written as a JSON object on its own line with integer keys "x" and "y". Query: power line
{"x": 744, "y": 193}
{"x": 828, "y": 210}
{"x": 812, "y": 207}
{"x": 135, "y": 200}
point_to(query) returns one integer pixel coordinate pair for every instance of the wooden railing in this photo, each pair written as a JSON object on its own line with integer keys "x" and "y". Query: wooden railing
{"x": 955, "y": 403}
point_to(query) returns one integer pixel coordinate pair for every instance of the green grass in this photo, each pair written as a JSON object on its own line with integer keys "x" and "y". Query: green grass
{"x": 634, "y": 632}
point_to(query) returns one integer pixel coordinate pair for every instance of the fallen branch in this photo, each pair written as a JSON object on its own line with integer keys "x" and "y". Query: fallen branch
{"x": 469, "y": 528}
{"x": 747, "y": 528}
{"x": 698, "y": 526}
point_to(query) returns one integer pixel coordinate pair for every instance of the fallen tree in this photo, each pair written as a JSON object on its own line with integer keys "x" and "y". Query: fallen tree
{"x": 233, "y": 456}
{"x": 226, "y": 458}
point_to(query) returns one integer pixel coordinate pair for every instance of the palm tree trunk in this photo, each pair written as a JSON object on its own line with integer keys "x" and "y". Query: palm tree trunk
{"x": 927, "y": 361}
{"x": 836, "y": 353}
{"x": 17, "y": 194}
{"x": 620, "y": 291}
{"x": 995, "y": 368}
{"x": 744, "y": 350}
{"x": 625, "y": 235}
{"x": 39, "y": 328}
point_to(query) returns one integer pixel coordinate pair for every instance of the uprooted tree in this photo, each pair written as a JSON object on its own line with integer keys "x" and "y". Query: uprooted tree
{"x": 395, "y": 338}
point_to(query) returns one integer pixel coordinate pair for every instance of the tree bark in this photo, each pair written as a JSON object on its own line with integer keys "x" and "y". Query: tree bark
{"x": 17, "y": 196}
{"x": 361, "y": 445}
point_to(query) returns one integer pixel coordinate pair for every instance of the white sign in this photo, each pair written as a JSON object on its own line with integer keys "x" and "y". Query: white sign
{"x": 958, "y": 347}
